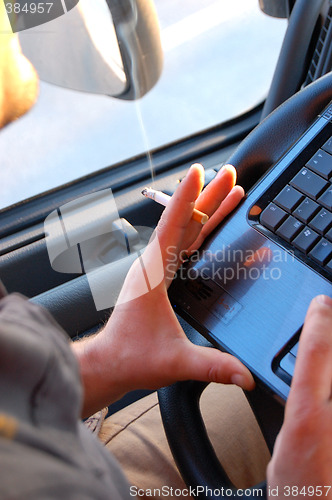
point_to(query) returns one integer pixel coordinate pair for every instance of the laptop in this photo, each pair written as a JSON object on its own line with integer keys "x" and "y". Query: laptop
{"x": 250, "y": 285}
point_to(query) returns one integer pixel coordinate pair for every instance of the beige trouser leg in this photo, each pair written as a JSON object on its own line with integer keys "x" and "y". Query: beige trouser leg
{"x": 135, "y": 436}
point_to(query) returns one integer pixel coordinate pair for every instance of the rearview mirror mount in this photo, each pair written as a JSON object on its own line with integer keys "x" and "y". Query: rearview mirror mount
{"x": 276, "y": 8}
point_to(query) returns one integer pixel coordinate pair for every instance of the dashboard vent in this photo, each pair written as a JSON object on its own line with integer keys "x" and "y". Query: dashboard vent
{"x": 321, "y": 62}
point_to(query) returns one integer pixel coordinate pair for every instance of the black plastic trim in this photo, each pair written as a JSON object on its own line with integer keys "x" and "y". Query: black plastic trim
{"x": 293, "y": 61}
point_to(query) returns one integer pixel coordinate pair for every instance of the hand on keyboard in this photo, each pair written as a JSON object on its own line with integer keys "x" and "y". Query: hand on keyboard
{"x": 302, "y": 458}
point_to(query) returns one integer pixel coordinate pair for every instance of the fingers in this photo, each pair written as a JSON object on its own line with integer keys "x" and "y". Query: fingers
{"x": 217, "y": 190}
{"x": 217, "y": 200}
{"x": 312, "y": 381}
{"x": 176, "y": 217}
{"x": 210, "y": 365}
{"x": 176, "y": 230}
{"x": 225, "y": 207}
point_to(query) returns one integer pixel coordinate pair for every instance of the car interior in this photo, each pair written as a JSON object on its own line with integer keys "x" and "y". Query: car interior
{"x": 256, "y": 142}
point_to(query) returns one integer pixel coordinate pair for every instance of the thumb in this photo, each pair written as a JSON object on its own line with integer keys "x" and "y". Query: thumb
{"x": 211, "y": 365}
{"x": 312, "y": 379}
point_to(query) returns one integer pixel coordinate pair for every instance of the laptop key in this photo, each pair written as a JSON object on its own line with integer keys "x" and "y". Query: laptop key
{"x": 321, "y": 163}
{"x": 305, "y": 240}
{"x": 329, "y": 266}
{"x": 328, "y": 145}
{"x": 288, "y": 198}
{"x": 290, "y": 228}
{"x": 329, "y": 234}
{"x": 326, "y": 198}
{"x": 322, "y": 221}
{"x": 272, "y": 217}
{"x": 322, "y": 252}
{"x": 306, "y": 210}
{"x": 309, "y": 183}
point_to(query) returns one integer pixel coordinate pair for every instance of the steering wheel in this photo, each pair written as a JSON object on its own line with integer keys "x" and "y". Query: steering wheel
{"x": 179, "y": 403}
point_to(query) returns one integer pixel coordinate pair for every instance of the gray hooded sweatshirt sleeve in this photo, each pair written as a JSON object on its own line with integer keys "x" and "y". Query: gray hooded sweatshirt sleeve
{"x": 45, "y": 450}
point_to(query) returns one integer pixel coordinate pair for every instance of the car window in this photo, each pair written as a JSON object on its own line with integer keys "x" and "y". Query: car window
{"x": 219, "y": 57}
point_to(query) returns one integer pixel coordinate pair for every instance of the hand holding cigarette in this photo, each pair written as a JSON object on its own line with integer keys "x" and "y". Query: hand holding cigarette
{"x": 147, "y": 321}
{"x": 163, "y": 199}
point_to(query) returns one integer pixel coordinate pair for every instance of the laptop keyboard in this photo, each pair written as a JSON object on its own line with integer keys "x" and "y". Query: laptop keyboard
{"x": 301, "y": 213}
{"x": 295, "y": 211}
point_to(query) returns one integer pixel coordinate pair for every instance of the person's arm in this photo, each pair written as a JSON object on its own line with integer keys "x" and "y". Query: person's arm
{"x": 143, "y": 344}
{"x": 301, "y": 464}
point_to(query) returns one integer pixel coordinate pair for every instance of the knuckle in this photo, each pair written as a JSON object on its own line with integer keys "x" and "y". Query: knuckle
{"x": 213, "y": 374}
{"x": 316, "y": 348}
{"x": 305, "y": 417}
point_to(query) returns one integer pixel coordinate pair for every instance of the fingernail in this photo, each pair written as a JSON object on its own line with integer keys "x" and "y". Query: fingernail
{"x": 224, "y": 169}
{"x": 324, "y": 299}
{"x": 192, "y": 167}
{"x": 238, "y": 379}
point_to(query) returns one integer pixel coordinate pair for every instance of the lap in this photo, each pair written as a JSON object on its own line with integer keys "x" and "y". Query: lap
{"x": 135, "y": 436}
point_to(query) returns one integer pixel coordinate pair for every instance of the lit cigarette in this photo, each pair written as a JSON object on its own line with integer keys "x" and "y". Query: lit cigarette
{"x": 163, "y": 199}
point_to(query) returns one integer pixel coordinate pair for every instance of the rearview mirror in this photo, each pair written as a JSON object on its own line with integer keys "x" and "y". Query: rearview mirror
{"x": 109, "y": 47}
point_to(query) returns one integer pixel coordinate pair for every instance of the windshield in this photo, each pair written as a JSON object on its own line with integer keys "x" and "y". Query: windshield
{"x": 219, "y": 57}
